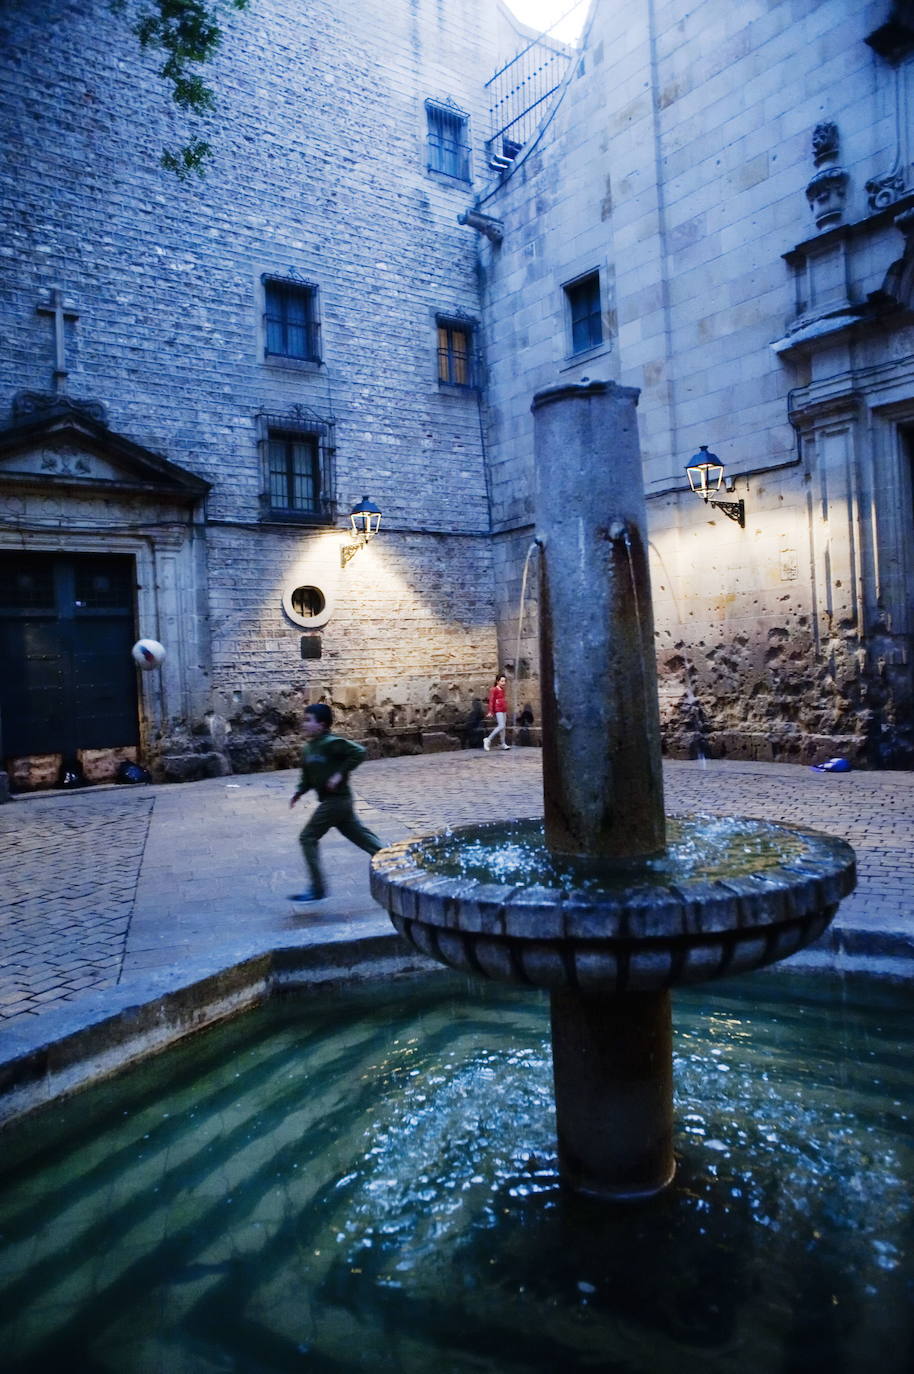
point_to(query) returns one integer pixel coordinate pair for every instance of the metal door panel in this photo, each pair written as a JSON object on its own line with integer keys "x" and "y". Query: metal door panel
{"x": 67, "y": 680}
{"x": 104, "y": 683}
{"x": 33, "y": 694}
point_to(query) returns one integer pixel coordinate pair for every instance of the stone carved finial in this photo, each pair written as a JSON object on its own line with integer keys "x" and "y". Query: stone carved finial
{"x": 826, "y": 194}
{"x": 828, "y": 187}
{"x": 824, "y": 142}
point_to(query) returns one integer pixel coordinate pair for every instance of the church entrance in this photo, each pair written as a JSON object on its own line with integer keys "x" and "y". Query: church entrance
{"x": 67, "y": 625}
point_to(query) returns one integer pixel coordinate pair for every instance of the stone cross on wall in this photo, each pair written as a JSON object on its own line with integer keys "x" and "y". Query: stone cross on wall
{"x": 60, "y": 313}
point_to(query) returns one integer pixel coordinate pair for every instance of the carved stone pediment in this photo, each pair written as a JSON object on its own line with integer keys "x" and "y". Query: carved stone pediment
{"x": 57, "y": 442}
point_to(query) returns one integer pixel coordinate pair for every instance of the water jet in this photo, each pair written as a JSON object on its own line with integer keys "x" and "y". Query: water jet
{"x": 610, "y": 917}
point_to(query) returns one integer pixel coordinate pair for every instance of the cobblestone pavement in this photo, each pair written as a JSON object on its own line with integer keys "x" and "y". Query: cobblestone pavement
{"x": 68, "y": 873}
{"x": 99, "y": 885}
{"x": 874, "y": 812}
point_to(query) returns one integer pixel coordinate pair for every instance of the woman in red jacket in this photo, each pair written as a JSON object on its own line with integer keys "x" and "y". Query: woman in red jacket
{"x": 498, "y": 707}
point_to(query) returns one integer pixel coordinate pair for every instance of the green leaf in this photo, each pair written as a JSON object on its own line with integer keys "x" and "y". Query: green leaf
{"x": 187, "y": 33}
{"x": 189, "y": 160}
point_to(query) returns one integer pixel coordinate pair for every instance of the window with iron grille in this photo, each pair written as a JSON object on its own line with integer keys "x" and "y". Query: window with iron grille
{"x": 448, "y": 142}
{"x": 291, "y": 328}
{"x": 585, "y": 313}
{"x": 455, "y": 352}
{"x": 298, "y": 456}
{"x": 294, "y": 473}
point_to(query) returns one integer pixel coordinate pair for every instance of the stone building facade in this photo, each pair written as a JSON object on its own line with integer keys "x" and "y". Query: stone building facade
{"x": 717, "y": 210}
{"x": 199, "y": 380}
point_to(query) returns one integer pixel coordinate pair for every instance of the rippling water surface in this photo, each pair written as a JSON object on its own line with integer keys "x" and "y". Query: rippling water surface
{"x": 698, "y": 847}
{"x": 367, "y": 1182}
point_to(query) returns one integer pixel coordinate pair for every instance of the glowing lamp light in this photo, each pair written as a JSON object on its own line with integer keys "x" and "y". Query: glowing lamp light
{"x": 364, "y": 521}
{"x": 705, "y": 472}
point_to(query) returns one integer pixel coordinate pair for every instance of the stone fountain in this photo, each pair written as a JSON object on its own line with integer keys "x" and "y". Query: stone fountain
{"x": 599, "y": 908}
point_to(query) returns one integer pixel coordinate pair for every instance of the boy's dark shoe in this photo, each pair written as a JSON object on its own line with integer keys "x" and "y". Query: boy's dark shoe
{"x": 307, "y": 896}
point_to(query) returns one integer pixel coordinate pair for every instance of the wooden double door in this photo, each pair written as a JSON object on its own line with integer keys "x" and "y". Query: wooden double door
{"x": 67, "y": 680}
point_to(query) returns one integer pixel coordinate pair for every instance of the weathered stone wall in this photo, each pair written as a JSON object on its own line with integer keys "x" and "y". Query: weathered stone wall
{"x": 676, "y": 163}
{"x": 320, "y": 173}
{"x": 405, "y": 655}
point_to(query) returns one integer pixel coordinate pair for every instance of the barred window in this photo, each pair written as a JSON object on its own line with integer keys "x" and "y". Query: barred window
{"x": 585, "y": 313}
{"x": 298, "y": 462}
{"x": 448, "y": 143}
{"x": 294, "y": 473}
{"x": 290, "y": 320}
{"x": 455, "y": 340}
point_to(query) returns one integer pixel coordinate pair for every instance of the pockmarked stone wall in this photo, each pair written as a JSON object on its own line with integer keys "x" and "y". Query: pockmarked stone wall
{"x": 320, "y": 175}
{"x": 738, "y": 176}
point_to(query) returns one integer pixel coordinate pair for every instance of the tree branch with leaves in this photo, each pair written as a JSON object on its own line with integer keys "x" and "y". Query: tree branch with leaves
{"x": 187, "y": 33}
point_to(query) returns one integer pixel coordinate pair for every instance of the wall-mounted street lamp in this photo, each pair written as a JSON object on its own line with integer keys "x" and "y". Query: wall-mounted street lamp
{"x": 364, "y": 520}
{"x": 706, "y": 474}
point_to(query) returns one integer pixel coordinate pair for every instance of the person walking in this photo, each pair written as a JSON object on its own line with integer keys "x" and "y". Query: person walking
{"x": 327, "y": 761}
{"x": 498, "y": 707}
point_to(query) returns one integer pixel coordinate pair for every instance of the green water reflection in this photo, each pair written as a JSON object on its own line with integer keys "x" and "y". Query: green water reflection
{"x": 367, "y": 1182}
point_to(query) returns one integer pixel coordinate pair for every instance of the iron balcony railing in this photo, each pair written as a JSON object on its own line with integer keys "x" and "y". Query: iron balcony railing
{"x": 519, "y": 92}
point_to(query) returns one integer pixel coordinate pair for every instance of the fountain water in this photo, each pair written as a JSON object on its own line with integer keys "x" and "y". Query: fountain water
{"x": 534, "y": 548}
{"x": 608, "y": 918}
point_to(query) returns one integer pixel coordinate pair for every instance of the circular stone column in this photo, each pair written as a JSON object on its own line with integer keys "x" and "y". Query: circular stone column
{"x": 612, "y": 1064}
{"x": 611, "y": 945}
{"x": 602, "y": 776}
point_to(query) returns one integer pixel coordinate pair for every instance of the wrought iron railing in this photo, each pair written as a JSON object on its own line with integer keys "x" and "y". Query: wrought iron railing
{"x": 519, "y": 93}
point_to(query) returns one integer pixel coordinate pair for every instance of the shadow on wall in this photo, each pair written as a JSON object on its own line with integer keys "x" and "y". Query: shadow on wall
{"x": 524, "y": 733}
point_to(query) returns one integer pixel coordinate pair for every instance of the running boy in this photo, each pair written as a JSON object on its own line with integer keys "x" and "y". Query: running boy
{"x": 327, "y": 760}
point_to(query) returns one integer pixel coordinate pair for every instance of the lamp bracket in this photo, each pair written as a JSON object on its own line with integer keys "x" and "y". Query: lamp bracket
{"x": 734, "y": 510}
{"x": 348, "y": 551}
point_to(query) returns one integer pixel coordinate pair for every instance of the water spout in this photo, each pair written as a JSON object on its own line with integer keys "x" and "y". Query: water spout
{"x": 602, "y": 776}
{"x": 535, "y": 546}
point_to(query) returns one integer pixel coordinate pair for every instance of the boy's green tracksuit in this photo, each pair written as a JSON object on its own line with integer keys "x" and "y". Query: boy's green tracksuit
{"x": 321, "y": 758}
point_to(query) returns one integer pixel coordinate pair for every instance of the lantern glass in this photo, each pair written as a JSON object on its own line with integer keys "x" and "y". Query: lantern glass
{"x": 705, "y": 473}
{"x": 365, "y": 519}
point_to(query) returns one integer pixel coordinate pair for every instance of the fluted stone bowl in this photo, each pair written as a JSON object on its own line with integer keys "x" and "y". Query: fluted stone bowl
{"x": 642, "y": 928}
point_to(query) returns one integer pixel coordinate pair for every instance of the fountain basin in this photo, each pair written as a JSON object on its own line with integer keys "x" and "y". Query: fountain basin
{"x": 523, "y": 917}
{"x": 366, "y": 1180}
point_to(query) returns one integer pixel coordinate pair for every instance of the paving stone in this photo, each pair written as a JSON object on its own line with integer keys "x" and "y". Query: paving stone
{"x": 206, "y": 868}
